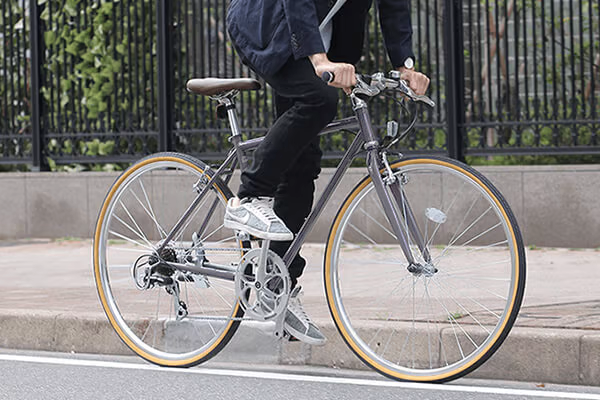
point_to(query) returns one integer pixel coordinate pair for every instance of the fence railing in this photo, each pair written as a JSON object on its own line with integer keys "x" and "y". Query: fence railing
{"x": 102, "y": 81}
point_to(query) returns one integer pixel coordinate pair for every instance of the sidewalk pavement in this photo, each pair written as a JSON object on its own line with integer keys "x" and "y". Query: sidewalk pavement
{"x": 49, "y": 302}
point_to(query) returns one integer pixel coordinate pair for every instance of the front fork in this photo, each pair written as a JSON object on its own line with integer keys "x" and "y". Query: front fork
{"x": 390, "y": 191}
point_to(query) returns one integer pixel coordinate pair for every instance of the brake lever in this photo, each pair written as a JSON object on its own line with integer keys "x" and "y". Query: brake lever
{"x": 364, "y": 88}
{"x": 407, "y": 91}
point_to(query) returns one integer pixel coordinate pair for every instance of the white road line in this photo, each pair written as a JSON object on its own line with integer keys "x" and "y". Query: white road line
{"x": 299, "y": 378}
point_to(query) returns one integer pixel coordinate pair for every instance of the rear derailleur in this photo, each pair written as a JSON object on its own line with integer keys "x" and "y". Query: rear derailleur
{"x": 150, "y": 271}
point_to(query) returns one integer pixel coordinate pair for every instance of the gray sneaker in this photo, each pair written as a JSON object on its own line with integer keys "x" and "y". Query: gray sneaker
{"x": 299, "y": 325}
{"x": 256, "y": 216}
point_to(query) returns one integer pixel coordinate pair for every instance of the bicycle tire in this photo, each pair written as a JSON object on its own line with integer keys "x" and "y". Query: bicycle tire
{"x": 169, "y": 354}
{"x": 341, "y": 276}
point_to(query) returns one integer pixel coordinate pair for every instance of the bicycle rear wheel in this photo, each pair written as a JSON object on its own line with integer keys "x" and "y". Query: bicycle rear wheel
{"x": 166, "y": 316}
{"x": 441, "y": 321}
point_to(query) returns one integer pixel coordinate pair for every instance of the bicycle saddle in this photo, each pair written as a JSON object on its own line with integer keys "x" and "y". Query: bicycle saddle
{"x": 214, "y": 86}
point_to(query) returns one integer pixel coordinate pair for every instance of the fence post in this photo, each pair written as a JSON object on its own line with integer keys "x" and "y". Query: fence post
{"x": 165, "y": 73}
{"x": 455, "y": 78}
{"x": 35, "y": 42}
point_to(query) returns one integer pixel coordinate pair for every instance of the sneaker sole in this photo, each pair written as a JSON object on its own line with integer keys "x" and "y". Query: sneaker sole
{"x": 303, "y": 338}
{"x": 277, "y": 237}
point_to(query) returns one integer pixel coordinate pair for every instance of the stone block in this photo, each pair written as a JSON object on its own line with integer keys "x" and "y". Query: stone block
{"x": 535, "y": 355}
{"x": 561, "y": 208}
{"x": 57, "y": 205}
{"x": 590, "y": 360}
{"x": 13, "y": 213}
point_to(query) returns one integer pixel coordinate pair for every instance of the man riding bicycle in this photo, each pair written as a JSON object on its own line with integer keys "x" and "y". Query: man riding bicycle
{"x": 281, "y": 41}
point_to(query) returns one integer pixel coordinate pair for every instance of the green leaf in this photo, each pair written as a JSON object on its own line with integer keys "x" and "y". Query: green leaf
{"x": 72, "y": 48}
{"x": 64, "y": 100}
{"x": 106, "y": 148}
{"x": 19, "y": 25}
{"x": 51, "y": 164}
{"x": 49, "y": 38}
{"x": 71, "y": 8}
{"x": 45, "y": 15}
{"x": 89, "y": 57}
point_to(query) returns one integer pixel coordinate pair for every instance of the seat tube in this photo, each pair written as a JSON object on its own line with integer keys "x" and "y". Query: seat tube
{"x": 236, "y": 132}
{"x": 372, "y": 147}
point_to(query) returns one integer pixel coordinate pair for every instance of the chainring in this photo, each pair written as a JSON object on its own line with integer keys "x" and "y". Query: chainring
{"x": 264, "y": 299}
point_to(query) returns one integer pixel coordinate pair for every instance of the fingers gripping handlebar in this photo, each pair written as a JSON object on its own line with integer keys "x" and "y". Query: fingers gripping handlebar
{"x": 372, "y": 85}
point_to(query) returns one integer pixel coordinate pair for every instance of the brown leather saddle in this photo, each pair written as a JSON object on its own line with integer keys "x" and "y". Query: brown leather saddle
{"x": 215, "y": 86}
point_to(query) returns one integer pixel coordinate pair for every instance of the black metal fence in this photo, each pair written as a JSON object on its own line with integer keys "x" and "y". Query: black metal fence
{"x": 102, "y": 81}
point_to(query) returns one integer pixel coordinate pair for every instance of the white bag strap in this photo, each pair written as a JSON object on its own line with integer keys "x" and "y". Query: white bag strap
{"x": 334, "y": 10}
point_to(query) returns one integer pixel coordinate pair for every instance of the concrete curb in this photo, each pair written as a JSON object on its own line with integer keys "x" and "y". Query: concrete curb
{"x": 529, "y": 354}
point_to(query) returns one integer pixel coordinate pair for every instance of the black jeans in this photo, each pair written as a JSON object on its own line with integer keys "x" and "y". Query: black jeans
{"x": 288, "y": 161}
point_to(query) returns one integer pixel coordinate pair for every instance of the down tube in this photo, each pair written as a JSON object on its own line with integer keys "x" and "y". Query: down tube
{"x": 329, "y": 190}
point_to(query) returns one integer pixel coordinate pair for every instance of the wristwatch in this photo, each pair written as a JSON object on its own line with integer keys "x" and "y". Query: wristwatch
{"x": 409, "y": 63}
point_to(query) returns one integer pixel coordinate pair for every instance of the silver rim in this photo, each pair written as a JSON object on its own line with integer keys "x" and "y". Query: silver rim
{"x": 140, "y": 213}
{"x": 435, "y": 324}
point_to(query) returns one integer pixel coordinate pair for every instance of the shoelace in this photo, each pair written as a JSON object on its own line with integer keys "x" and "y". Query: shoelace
{"x": 296, "y": 307}
{"x": 263, "y": 207}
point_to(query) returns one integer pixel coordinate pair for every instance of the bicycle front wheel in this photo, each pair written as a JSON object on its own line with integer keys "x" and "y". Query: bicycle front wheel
{"x": 167, "y": 316}
{"x": 443, "y": 317}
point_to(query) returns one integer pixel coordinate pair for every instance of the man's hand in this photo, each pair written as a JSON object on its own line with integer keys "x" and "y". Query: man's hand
{"x": 417, "y": 81}
{"x": 345, "y": 75}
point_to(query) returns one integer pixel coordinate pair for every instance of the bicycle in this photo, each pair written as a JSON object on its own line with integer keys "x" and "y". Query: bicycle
{"x": 431, "y": 238}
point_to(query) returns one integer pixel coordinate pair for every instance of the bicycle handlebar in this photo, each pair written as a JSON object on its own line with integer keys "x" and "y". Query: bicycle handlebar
{"x": 328, "y": 77}
{"x": 372, "y": 85}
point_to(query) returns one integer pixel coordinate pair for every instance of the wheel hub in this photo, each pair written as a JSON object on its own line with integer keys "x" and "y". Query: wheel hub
{"x": 427, "y": 270}
{"x": 153, "y": 269}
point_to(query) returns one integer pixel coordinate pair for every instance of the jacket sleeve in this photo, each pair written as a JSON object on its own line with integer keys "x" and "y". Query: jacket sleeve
{"x": 397, "y": 30}
{"x": 303, "y": 24}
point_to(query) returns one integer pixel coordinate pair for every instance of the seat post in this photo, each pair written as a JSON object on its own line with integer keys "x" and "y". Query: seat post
{"x": 236, "y": 132}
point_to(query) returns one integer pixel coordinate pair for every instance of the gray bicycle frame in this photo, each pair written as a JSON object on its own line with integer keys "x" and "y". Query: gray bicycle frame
{"x": 365, "y": 141}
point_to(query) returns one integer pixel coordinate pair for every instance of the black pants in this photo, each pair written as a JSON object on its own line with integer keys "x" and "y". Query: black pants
{"x": 288, "y": 161}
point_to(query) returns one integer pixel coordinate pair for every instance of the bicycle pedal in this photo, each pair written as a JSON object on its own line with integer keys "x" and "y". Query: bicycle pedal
{"x": 290, "y": 338}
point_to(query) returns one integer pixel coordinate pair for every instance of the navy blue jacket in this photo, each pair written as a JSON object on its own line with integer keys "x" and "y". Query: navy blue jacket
{"x": 267, "y": 33}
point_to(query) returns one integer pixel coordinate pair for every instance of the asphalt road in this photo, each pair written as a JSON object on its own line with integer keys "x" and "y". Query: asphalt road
{"x": 28, "y": 375}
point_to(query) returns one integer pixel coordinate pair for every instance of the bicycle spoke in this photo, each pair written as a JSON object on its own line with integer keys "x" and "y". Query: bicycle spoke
{"x": 502, "y": 242}
{"x": 190, "y": 219}
{"x": 447, "y": 212}
{"x": 393, "y": 328}
{"x": 415, "y": 312}
{"x": 131, "y": 240}
{"x": 159, "y": 228}
{"x": 479, "y": 235}
{"x": 429, "y": 347}
{"x": 204, "y": 239}
{"x": 161, "y": 231}
{"x": 479, "y": 304}
{"x": 362, "y": 234}
{"x": 130, "y": 229}
{"x": 503, "y": 298}
{"x": 126, "y": 249}
{"x": 462, "y": 234}
{"x": 379, "y": 224}
{"x": 471, "y": 266}
{"x": 226, "y": 239}
{"x": 388, "y": 318}
{"x": 137, "y": 232}
{"x": 459, "y": 304}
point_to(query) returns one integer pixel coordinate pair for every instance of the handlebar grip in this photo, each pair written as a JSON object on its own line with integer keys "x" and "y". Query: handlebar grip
{"x": 328, "y": 77}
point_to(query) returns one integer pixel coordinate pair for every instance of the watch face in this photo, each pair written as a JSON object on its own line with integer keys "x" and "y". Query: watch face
{"x": 409, "y": 63}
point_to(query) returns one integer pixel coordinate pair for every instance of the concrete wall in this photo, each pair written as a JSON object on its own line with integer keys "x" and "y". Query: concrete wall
{"x": 556, "y": 206}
